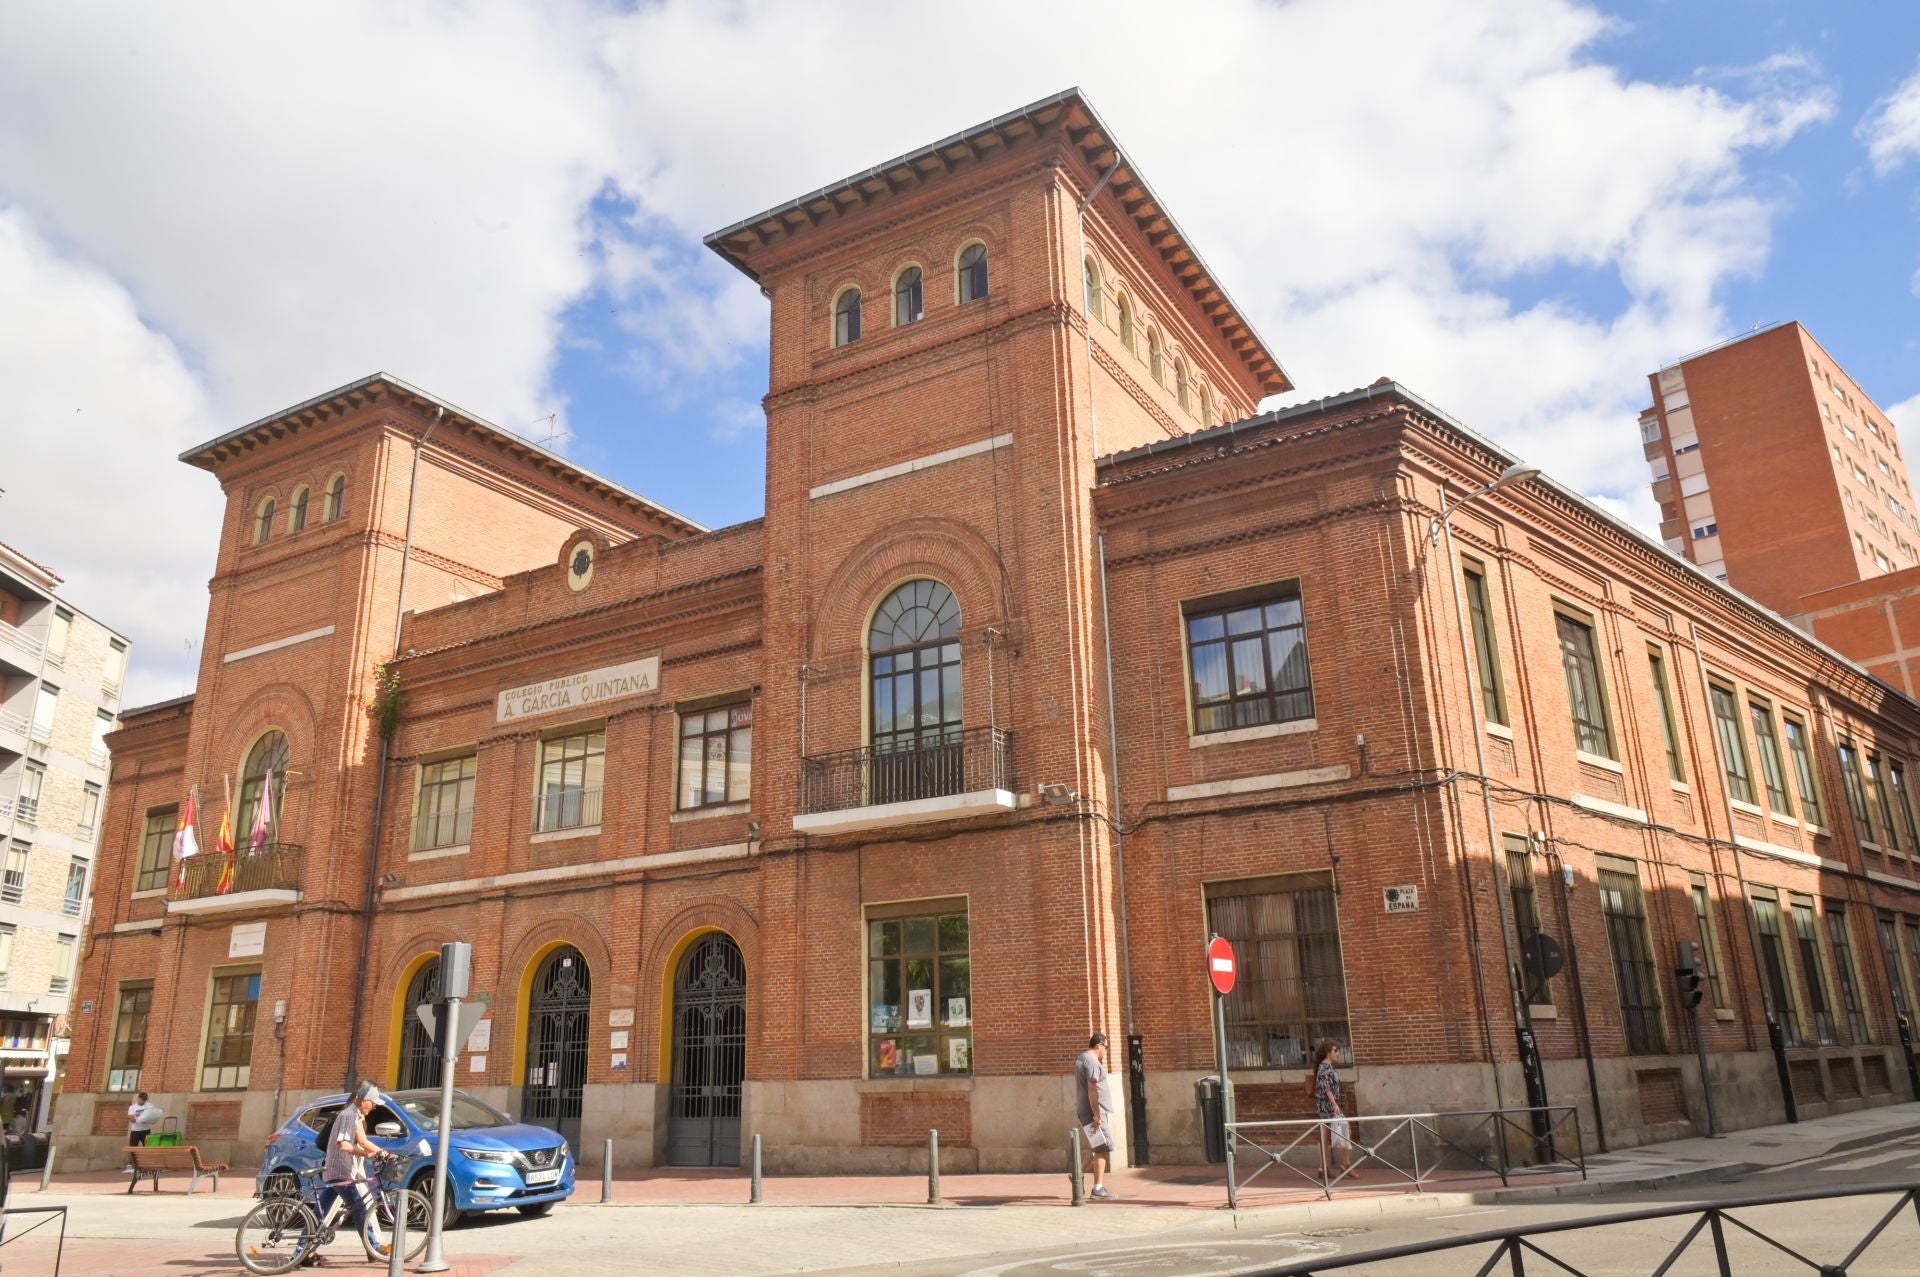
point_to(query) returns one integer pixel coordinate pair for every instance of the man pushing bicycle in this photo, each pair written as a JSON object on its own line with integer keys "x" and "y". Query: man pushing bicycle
{"x": 344, "y": 1172}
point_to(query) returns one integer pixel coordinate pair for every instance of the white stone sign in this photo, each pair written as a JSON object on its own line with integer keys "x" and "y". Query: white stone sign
{"x": 580, "y": 691}
{"x": 1401, "y": 899}
{"x": 247, "y": 940}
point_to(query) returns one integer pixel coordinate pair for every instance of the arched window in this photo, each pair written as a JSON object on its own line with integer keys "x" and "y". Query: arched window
{"x": 1126, "y": 322}
{"x": 1155, "y": 360}
{"x": 419, "y": 1057}
{"x": 973, "y": 273}
{"x": 1094, "y": 306}
{"x": 1206, "y": 405}
{"x": 297, "y": 514}
{"x": 336, "y": 497}
{"x": 1180, "y": 386}
{"x": 263, "y": 523}
{"x": 268, "y": 755}
{"x": 846, "y": 318}
{"x": 907, "y": 298}
{"x": 913, "y": 654}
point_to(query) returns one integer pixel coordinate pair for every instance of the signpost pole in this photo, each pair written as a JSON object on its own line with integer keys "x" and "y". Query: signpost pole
{"x": 456, "y": 966}
{"x": 1221, "y": 978}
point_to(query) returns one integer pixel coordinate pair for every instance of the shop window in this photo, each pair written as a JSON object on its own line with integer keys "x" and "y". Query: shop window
{"x": 919, "y": 992}
{"x": 1291, "y": 991}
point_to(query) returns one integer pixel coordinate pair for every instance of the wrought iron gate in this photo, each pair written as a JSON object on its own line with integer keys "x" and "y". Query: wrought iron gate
{"x": 709, "y": 1054}
{"x": 419, "y": 1057}
{"x": 557, "y": 1044}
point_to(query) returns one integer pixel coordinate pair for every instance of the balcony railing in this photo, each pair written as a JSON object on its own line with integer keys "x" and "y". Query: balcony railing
{"x": 448, "y": 828}
{"x": 97, "y": 755}
{"x": 12, "y": 722}
{"x": 28, "y": 809}
{"x": 564, "y": 807}
{"x": 275, "y": 867}
{"x": 12, "y": 636}
{"x": 961, "y": 762}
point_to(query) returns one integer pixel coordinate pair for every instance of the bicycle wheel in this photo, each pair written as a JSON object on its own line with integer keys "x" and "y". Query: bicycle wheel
{"x": 276, "y": 1236}
{"x": 378, "y": 1229}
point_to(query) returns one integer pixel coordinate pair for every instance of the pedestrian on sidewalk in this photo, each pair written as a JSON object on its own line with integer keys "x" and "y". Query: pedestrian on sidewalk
{"x": 143, "y": 1115}
{"x": 1324, "y": 1086}
{"x": 1094, "y": 1104}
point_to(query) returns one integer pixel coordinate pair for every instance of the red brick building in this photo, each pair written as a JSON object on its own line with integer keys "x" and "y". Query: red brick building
{"x": 857, "y": 819}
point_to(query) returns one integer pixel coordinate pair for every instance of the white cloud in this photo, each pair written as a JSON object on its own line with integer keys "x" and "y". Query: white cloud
{"x": 1891, "y": 129}
{"x": 98, "y": 406}
{"x": 1905, "y": 416}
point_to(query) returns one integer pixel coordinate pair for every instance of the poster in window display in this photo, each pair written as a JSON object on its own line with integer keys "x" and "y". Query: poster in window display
{"x": 920, "y": 1008}
{"x": 885, "y": 1017}
{"x": 926, "y": 1065}
{"x": 959, "y": 1055}
{"x": 889, "y": 1056}
{"x": 957, "y": 1011}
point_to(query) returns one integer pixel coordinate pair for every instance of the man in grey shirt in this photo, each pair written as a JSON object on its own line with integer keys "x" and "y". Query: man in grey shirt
{"x": 344, "y": 1171}
{"x": 1094, "y": 1104}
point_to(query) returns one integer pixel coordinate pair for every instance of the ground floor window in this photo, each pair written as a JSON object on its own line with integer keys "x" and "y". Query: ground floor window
{"x": 1846, "y": 976}
{"x": 1814, "y": 969}
{"x": 227, "y": 1064}
{"x": 1634, "y": 973}
{"x": 1291, "y": 992}
{"x": 1773, "y": 956}
{"x": 919, "y": 990}
{"x": 129, "y": 1053}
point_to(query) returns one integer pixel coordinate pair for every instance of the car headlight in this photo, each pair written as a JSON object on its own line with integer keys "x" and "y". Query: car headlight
{"x": 488, "y": 1155}
{"x": 566, "y": 1150}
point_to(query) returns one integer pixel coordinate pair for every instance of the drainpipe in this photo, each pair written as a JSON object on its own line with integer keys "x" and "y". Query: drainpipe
{"x": 1136, "y": 1056}
{"x": 380, "y": 777}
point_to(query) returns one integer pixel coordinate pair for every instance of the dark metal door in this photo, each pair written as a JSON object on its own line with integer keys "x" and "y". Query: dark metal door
{"x": 557, "y": 1044}
{"x": 419, "y": 1054}
{"x": 709, "y": 1054}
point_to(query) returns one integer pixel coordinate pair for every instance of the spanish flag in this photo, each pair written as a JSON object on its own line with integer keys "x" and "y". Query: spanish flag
{"x": 223, "y": 843}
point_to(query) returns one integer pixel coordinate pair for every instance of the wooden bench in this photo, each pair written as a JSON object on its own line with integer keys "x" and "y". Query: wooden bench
{"x": 152, "y": 1163}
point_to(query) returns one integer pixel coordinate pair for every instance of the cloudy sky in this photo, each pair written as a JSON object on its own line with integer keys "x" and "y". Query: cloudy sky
{"x": 1517, "y": 207}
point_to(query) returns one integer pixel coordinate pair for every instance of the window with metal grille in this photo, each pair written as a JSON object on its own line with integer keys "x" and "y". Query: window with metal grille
{"x": 1856, "y": 791}
{"x": 1803, "y": 777}
{"x": 443, "y": 816}
{"x": 129, "y": 1053}
{"x": 156, "y": 848}
{"x": 1586, "y": 693}
{"x": 1709, "y": 938}
{"x": 419, "y": 1056}
{"x": 1733, "y": 746}
{"x": 1634, "y": 973}
{"x": 1291, "y": 991}
{"x": 1772, "y": 774}
{"x": 1526, "y": 915}
{"x": 1813, "y": 970}
{"x": 1248, "y": 662}
{"x": 1773, "y": 957}
{"x": 919, "y": 992}
{"x": 1846, "y": 976}
{"x": 1676, "y": 767}
{"x": 572, "y": 775}
{"x": 716, "y": 756}
{"x": 1486, "y": 652}
{"x": 973, "y": 273}
{"x": 228, "y": 1062}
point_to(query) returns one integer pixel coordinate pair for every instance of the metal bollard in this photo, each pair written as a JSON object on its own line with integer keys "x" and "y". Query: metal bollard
{"x": 753, "y": 1193}
{"x": 933, "y": 1167}
{"x": 397, "y": 1235}
{"x": 46, "y": 1172}
{"x": 1075, "y": 1171}
{"x": 606, "y": 1172}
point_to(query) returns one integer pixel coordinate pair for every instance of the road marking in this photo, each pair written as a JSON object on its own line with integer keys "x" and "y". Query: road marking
{"x": 1496, "y": 1210}
{"x": 1120, "y": 1260}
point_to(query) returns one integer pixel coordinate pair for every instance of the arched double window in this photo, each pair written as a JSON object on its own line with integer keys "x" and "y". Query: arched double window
{"x": 268, "y": 755}
{"x": 336, "y": 497}
{"x": 1156, "y": 359}
{"x": 263, "y": 522}
{"x": 297, "y": 514}
{"x": 1126, "y": 322}
{"x": 1095, "y": 307}
{"x": 973, "y": 273}
{"x": 908, "y": 299}
{"x": 913, "y": 654}
{"x": 846, "y": 317}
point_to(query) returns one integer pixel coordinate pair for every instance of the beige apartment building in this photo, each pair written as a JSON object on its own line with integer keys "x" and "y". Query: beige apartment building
{"x": 60, "y": 676}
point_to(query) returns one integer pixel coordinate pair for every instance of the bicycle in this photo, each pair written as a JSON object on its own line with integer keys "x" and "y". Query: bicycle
{"x": 285, "y": 1231}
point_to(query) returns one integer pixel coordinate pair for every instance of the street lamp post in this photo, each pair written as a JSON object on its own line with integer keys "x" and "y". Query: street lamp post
{"x": 1439, "y": 532}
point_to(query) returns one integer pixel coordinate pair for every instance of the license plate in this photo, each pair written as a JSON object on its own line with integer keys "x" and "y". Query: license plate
{"x": 544, "y": 1177}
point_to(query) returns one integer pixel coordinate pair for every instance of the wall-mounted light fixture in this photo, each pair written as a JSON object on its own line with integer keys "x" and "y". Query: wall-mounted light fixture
{"x": 1055, "y": 794}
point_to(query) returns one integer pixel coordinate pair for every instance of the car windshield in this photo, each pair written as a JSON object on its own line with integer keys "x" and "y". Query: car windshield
{"x": 468, "y": 1113}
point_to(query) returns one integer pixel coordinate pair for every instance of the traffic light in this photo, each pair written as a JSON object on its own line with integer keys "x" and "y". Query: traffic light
{"x": 1691, "y": 973}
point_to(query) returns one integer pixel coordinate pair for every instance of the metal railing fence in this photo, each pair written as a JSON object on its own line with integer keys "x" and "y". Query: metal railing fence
{"x": 1413, "y": 1150}
{"x": 953, "y": 762}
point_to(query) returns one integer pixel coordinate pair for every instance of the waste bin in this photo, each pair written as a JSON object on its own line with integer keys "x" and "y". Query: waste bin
{"x": 168, "y": 1136}
{"x": 1213, "y": 1118}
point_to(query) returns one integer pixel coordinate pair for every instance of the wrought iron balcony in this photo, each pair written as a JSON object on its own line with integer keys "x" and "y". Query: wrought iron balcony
{"x": 448, "y": 827}
{"x": 268, "y": 876}
{"x": 948, "y": 777}
{"x": 566, "y": 807}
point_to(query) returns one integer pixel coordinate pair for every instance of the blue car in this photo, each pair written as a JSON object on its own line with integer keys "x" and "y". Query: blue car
{"x": 492, "y": 1161}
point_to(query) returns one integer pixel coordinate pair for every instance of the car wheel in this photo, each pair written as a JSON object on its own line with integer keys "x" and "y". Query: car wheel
{"x": 450, "y": 1213}
{"x": 535, "y": 1210}
{"x": 282, "y": 1183}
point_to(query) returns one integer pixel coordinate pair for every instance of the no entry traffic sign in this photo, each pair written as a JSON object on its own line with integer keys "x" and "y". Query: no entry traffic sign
{"x": 1220, "y": 965}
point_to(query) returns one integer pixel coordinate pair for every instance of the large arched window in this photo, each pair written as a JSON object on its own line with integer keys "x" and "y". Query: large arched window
{"x": 908, "y": 299}
{"x": 263, "y": 522}
{"x": 419, "y": 1057}
{"x": 846, "y": 318}
{"x": 1126, "y": 322}
{"x": 268, "y": 755}
{"x": 1156, "y": 358}
{"x": 913, "y": 651}
{"x": 973, "y": 273}
{"x": 336, "y": 497}
{"x": 297, "y": 513}
{"x": 1095, "y": 307}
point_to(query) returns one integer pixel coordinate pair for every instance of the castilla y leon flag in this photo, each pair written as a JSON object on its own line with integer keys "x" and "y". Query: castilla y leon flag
{"x": 186, "y": 843}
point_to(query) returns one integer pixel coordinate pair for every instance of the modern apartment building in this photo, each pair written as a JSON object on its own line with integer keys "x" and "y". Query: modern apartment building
{"x": 1775, "y": 472}
{"x": 1048, "y": 659}
{"x": 60, "y": 676}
